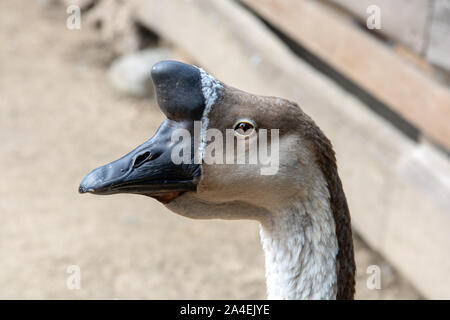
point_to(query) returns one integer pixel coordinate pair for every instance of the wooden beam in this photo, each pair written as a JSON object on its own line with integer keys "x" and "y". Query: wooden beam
{"x": 402, "y": 20}
{"x": 382, "y": 171}
{"x": 438, "y": 50}
{"x": 365, "y": 61}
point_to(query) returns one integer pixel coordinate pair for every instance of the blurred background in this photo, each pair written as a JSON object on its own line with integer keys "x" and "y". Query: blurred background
{"x": 75, "y": 93}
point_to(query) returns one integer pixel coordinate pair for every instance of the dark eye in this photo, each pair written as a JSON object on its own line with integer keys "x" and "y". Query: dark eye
{"x": 244, "y": 127}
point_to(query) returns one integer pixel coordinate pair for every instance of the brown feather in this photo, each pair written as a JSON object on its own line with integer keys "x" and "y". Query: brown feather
{"x": 325, "y": 157}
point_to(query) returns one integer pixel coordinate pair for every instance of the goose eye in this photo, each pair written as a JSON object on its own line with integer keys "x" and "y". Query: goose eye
{"x": 244, "y": 127}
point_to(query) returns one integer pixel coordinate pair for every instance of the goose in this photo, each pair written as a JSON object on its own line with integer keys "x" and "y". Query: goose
{"x": 302, "y": 210}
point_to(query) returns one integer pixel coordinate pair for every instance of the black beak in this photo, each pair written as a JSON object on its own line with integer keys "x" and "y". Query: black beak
{"x": 147, "y": 170}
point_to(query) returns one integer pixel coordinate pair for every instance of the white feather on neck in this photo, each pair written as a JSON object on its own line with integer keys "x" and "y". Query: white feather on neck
{"x": 300, "y": 247}
{"x": 210, "y": 90}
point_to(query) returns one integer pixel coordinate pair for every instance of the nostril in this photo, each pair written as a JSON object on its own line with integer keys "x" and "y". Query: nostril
{"x": 146, "y": 156}
{"x": 141, "y": 159}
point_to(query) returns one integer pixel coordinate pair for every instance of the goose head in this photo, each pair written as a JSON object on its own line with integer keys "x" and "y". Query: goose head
{"x": 198, "y": 106}
{"x": 198, "y": 162}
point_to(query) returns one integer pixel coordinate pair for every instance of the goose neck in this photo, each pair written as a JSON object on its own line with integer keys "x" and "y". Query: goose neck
{"x": 300, "y": 248}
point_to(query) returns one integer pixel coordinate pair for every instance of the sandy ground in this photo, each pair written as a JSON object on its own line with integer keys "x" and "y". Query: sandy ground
{"x": 59, "y": 118}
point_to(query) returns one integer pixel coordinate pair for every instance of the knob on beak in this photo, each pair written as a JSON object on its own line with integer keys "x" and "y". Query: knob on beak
{"x": 178, "y": 89}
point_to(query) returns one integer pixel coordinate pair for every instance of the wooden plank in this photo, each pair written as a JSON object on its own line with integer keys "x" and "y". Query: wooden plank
{"x": 401, "y": 20}
{"x": 364, "y": 60}
{"x": 438, "y": 51}
{"x": 382, "y": 171}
